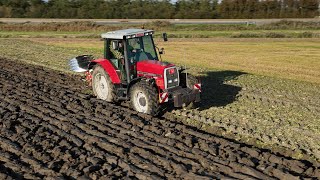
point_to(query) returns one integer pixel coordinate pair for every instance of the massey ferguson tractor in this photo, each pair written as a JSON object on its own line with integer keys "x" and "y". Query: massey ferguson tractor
{"x": 131, "y": 70}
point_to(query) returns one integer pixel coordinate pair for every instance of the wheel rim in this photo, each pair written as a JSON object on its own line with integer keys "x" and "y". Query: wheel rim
{"x": 141, "y": 103}
{"x": 101, "y": 86}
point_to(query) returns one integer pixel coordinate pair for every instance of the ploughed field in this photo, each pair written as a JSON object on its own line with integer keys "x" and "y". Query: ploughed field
{"x": 50, "y": 128}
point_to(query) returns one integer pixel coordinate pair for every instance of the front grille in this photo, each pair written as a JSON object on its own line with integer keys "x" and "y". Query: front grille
{"x": 171, "y": 77}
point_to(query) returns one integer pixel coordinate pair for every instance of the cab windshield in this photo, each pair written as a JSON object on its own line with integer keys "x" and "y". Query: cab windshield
{"x": 141, "y": 48}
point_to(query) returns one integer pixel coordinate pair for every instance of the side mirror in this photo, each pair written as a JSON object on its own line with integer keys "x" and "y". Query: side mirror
{"x": 161, "y": 51}
{"x": 165, "y": 37}
{"x": 115, "y": 45}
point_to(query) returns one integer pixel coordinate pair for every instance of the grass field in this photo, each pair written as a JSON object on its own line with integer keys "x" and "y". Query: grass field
{"x": 261, "y": 89}
{"x": 296, "y": 59}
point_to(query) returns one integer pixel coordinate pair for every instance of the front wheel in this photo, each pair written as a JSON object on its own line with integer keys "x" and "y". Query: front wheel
{"x": 144, "y": 98}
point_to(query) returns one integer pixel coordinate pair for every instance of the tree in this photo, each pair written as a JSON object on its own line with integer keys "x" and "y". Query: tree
{"x": 5, "y": 12}
{"x": 308, "y": 8}
{"x": 159, "y": 9}
{"x": 58, "y": 9}
{"x": 35, "y": 9}
{"x": 251, "y": 8}
{"x": 14, "y": 8}
{"x": 224, "y": 9}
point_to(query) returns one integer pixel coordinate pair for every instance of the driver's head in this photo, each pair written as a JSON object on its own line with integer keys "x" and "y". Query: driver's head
{"x": 120, "y": 44}
{"x": 134, "y": 42}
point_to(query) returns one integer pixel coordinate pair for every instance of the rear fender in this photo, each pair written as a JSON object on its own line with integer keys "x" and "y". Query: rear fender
{"x": 108, "y": 67}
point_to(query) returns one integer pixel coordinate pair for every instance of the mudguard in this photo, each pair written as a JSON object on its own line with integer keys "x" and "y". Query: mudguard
{"x": 85, "y": 62}
{"x": 109, "y": 68}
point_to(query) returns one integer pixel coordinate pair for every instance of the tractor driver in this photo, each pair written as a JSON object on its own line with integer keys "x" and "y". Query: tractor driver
{"x": 134, "y": 45}
{"x": 135, "y": 51}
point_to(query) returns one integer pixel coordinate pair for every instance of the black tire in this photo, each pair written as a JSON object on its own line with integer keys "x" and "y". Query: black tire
{"x": 144, "y": 98}
{"x": 102, "y": 85}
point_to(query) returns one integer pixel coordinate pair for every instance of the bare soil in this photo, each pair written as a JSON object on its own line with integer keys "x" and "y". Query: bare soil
{"x": 49, "y": 128}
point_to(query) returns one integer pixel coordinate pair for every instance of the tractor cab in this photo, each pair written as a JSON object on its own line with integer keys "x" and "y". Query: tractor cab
{"x": 124, "y": 48}
{"x": 130, "y": 70}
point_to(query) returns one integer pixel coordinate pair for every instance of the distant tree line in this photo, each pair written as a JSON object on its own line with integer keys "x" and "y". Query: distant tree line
{"x": 159, "y": 9}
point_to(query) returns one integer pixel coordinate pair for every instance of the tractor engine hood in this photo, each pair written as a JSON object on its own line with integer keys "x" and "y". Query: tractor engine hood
{"x": 152, "y": 67}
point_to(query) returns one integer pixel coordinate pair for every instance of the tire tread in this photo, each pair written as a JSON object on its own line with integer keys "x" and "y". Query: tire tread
{"x": 152, "y": 95}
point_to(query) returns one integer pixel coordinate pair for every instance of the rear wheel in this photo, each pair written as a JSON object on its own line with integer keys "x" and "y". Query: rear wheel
{"x": 144, "y": 98}
{"x": 102, "y": 86}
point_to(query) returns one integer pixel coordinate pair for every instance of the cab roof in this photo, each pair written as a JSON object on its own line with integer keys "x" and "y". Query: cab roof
{"x": 126, "y": 33}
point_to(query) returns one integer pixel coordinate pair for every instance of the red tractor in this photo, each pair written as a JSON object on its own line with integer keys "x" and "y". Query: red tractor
{"x": 131, "y": 70}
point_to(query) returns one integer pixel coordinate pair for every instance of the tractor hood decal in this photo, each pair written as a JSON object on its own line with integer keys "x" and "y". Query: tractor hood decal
{"x": 152, "y": 66}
